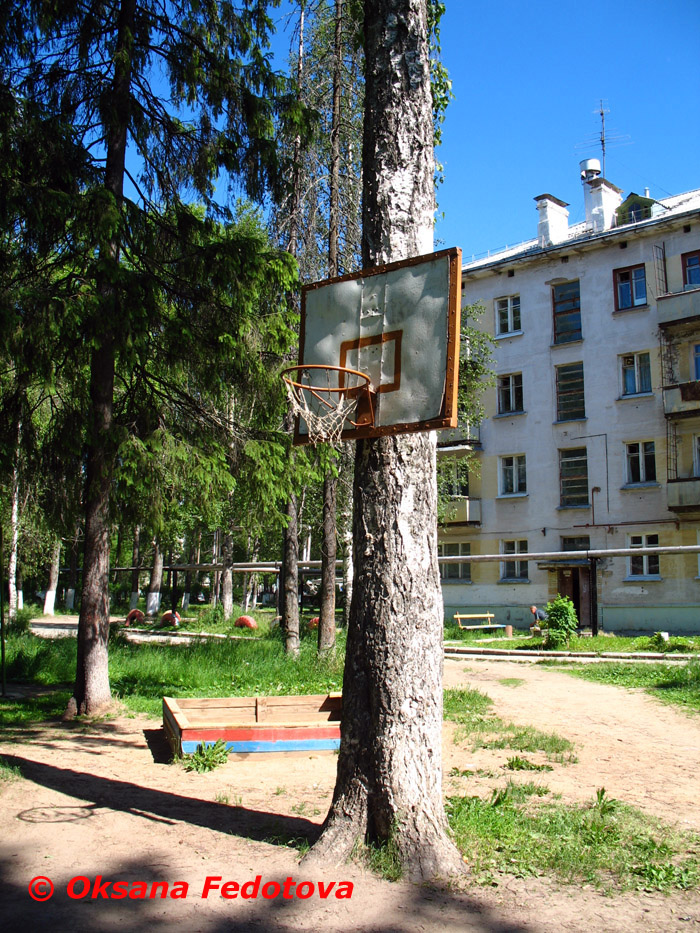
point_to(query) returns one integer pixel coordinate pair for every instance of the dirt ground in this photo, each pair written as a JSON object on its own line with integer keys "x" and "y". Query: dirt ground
{"x": 102, "y": 800}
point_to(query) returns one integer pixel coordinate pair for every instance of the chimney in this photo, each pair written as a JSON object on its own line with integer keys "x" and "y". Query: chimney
{"x": 600, "y": 197}
{"x": 553, "y": 224}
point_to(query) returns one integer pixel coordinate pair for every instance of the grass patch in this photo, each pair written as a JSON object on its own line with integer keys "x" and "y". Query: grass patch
{"x": 605, "y": 843}
{"x": 678, "y": 683}
{"x": 141, "y": 674}
{"x": 472, "y": 710}
{"x": 517, "y": 763}
{"x": 24, "y": 711}
{"x": 8, "y": 773}
{"x": 511, "y": 681}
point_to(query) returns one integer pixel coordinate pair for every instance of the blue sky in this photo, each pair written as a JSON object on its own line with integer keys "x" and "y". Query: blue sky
{"x": 527, "y": 80}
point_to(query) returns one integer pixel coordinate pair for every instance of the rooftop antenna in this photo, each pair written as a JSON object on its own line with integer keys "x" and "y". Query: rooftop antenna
{"x": 605, "y": 139}
{"x": 602, "y": 111}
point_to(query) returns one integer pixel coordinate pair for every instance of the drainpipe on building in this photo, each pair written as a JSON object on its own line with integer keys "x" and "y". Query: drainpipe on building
{"x": 593, "y": 580}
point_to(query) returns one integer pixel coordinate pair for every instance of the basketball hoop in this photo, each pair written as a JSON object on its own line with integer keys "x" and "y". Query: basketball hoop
{"x": 346, "y": 396}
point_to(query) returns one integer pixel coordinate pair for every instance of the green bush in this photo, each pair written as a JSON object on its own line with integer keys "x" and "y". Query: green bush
{"x": 561, "y": 622}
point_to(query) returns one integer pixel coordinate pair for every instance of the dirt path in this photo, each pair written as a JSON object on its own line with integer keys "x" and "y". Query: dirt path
{"x": 101, "y": 800}
{"x": 643, "y": 752}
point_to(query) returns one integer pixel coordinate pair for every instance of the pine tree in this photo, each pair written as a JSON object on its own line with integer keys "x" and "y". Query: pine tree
{"x": 164, "y": 101}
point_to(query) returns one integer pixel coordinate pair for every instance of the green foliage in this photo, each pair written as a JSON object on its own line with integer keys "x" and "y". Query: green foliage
{"x": 207, "y": 757}
{"x": 678, "y": 683}
{"x": 561, "y": 622}
{"x": 516, "y": 763}
{"x": 8, "y": 772}
{"x": 606, "y": 844}
{"x": 472, "y": 710}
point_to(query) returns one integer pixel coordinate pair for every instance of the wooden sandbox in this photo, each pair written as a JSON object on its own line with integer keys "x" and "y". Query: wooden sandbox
{"x": 254, "y": 724}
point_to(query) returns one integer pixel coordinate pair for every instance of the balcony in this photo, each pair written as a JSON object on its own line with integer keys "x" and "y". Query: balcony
{"x": 463, "y": 510}
{"x": 682, "y": 400}
{"x": 679, "y": 307}
{"x": 683, "y": 494}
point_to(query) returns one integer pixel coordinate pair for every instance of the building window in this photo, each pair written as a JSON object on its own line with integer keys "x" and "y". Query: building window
{"x": 462, "y": 572}
{"x": 514, "y": 569}
{"x": 695, "y": 363}
{"x": 641, "y": 462}
{"x": 636, "y": 373}
{"x": 646, "y": 565}
{"x": 691, "y": 270}
{"x": 507, "y": 314}
{"x": 510, "y": 393}
{"x": 576, "y": 543}
{"x": 453, "y": 477}
{"x": 570, "y": 398}
{"x": 513, "y": 475}
{"x": 566, "y": 301}
{"x": 630, "y": 288}
{"x": 573, "y": 477}
{"x": 696, "y": 460}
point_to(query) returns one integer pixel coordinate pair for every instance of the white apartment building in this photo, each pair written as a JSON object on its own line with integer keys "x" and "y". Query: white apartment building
{"x": 592, "y": 433}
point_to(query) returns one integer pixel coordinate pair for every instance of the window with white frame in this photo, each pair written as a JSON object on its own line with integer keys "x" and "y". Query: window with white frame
{"x": 513, "y": 475}
{"x": 636, "y": 373}
{"x": 510, "y": 393}
{"x": 645, "y": 565}
{"x": 641, "y": 462}
{"x": 512, "y": 568}
{"x": 507, "y": 314}
{"x": 450, "y": 572}
{"x": 630, "y": 288}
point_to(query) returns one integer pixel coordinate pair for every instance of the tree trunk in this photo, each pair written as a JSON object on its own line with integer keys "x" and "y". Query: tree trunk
{"x": 227, "y": 577}
{"x": 13, "y": 603}
{"x": 326, "y": 624}
{"x": 50, "y": 597}
{"x": 73, "y": 570}
{"x": 389, "y": 766}
{"x": 155, "y": 583}
{"x": 92, "y": 674}
{"x": 136, "y": 563}
{"x": 290, "y": 593}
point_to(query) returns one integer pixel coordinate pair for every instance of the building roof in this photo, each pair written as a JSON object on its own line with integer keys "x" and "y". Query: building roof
{"x": 663, "y": 210}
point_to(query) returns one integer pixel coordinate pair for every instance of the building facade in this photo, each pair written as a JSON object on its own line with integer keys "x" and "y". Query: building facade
{"x": 591, "y": 438}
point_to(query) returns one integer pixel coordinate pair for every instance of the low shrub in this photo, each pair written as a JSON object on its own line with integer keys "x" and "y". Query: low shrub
{"x": 561, "y": 622}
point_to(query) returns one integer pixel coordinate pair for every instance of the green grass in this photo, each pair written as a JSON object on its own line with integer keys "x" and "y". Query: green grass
{"x": 8, "y": 773}
{"x": 523, "y": 641}
{"x": 605, "y": 843}
{"x": 141, "y": 674}
{"x": 477, "y": 723}
{"x": 678, "y": 683}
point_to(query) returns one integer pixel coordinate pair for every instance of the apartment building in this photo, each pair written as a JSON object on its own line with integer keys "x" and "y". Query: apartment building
{"x": 592, "y": 433}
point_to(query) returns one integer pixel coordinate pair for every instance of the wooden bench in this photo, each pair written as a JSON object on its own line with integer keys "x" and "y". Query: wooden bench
{"x": 488, "y": 624}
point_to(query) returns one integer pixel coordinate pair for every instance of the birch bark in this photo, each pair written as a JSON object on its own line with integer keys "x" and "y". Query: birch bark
{"x": 389, "y": 766}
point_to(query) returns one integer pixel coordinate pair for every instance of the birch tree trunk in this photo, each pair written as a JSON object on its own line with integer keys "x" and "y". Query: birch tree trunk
{"x": 227, "y": 577}
{"x": 14, "y": 603}
{"x": 135, "y": 563}
{"x": 50, "y": 597}
{"x": 389, "y": 766}
{"x": 155, "y": 583}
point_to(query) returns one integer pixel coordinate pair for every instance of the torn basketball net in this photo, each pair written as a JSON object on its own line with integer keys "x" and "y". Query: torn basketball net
{"x": 325, "y": 409}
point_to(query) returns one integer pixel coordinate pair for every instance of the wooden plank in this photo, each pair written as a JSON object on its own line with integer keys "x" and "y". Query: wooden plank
{"x": 204, "y": 702}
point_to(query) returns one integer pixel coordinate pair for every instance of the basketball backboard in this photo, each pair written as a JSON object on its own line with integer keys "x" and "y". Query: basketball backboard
{"x": 399, "y": 325}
